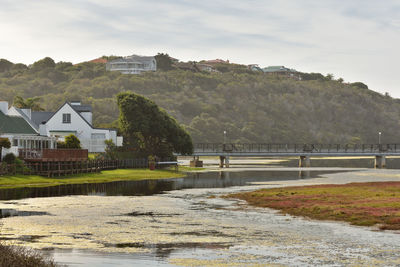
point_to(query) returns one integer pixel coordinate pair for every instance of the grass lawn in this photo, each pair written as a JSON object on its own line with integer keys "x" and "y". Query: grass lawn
{"x": 104, "y": 176}
{"x": 190, "y": 169}
{"x": 363, "y": 204}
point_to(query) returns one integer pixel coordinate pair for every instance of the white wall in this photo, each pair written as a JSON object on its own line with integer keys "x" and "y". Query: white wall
{"x": 83, "y": 129}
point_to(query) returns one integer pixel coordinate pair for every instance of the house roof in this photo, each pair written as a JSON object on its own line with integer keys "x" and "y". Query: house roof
{"x": 80, "y": 115}
{"x": 82, "y": 108}
{"x": 41, "y": 116}
{"x": 133, "y": 59}
{"x": 99, "y": 60}
{"x": 278, "y": 69}
{"x": 14, "y": 125}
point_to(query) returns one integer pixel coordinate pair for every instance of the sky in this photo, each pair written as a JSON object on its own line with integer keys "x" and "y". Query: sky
{"x": 357, "y": 40}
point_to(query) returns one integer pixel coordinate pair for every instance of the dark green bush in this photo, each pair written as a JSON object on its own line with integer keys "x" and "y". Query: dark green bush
{"x": 9, "y": 158}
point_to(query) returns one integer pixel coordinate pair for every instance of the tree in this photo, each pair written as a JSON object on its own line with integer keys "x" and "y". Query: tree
{"x": 329, "y": 76}
{"x": 4, "y": 142}
{"x": 111, "y": 149}
{"x": 5, "y": 65}
{"x": 31, "y": 103}
{"x": 149, "y": 129}
{"x": 71, "y": 141}
{"x": 360, "y": 85}
{"x": 42, "y": 64}
{"x": 164, "y": 62}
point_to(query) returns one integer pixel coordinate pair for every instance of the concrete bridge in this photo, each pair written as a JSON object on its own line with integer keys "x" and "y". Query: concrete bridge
{"x": 303, "y": 151}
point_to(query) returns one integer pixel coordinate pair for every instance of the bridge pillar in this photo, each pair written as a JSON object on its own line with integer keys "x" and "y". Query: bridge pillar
{"x": 196, "y": 162}
{"x": 304, "y": 161}
{"x": 221, "y": 161}
{"x": 380, "y": 162}
{"x": 227, "y": 161}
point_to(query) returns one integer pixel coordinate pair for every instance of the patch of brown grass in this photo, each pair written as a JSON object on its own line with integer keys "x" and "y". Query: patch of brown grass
{"x": 363, "y": 204}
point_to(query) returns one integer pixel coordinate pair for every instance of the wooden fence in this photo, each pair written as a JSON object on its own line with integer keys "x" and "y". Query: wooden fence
{"x": 59, "y": 168}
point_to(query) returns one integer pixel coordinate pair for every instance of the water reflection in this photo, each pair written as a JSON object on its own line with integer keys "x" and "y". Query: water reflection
{"x": 150, "y": 187}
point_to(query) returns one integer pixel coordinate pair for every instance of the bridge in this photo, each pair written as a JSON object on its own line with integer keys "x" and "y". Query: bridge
{"x": 303, "y": 151}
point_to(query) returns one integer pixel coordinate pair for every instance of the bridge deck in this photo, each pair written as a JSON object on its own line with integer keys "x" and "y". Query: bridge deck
{"x": 254, "y": 150}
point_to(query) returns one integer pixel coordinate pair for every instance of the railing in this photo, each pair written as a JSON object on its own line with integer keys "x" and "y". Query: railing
{"x": 53, "y": 154}
{"x": 59, "y": 168}
{"x": 295, "y": 148}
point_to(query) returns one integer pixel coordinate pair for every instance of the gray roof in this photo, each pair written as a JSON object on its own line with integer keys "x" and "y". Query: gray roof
{"x": 133, "y": 59}
{"x": 41, "y": 116}
{"x": 82, "y": 108}
{"x": 14, "y": 125}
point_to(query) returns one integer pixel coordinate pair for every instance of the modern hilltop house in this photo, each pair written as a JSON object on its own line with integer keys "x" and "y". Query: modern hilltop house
{"x": 132, "y": 64}
{"x": 70, "y": 118}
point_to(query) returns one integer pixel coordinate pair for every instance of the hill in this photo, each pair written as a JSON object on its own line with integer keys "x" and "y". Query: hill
{"x": 250, "y": 106}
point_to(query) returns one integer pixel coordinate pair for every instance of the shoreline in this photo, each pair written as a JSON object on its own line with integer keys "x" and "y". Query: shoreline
{"x": 32, "y": 181}
{"x": 372, "y": 204}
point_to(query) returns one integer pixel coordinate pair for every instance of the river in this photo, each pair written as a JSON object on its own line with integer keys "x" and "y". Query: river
{"x": 184, "y": 222}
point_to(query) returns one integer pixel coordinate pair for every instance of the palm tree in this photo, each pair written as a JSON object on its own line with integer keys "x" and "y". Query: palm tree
{"x": 32, "y": 103}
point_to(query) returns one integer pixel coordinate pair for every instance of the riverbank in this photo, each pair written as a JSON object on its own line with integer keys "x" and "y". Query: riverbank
{"x": 102, "y": 177}
{"x": 362, "y": 204}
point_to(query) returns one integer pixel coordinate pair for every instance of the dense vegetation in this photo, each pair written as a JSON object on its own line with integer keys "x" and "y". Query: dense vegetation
{"x": 149, "y": 129}
{"x": 250, "y": 106}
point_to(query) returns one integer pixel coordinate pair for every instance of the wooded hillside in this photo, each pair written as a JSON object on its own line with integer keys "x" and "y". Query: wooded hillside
{"x": 250, "y": 106}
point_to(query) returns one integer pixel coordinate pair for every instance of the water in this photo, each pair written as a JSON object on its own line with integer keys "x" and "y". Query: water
{"x": 182, "y": 222}
{"x": 149, "y": 187}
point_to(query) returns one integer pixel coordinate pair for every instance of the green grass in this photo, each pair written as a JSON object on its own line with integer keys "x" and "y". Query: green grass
{"x": 104, "y": 176}
{"x": 189, "y": 169}
{"x": 363, "y": 204}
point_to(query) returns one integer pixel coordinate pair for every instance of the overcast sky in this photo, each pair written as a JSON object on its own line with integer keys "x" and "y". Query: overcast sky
{"x": 357, "y": 40}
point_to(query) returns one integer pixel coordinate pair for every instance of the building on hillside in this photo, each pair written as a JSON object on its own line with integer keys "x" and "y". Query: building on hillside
{"x": 132, "y": 64}
{"x": 99, "y": 60}
{"x": 186, "y": 66}
{"x": 215, "y": 61}
{"x": 254, "y": 67}
{"x": 23, "y": 135}
{"x": 282, "y": 70}
{"x": 205, "y": 67}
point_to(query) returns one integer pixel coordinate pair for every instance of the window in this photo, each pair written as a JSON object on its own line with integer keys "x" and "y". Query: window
{"x": 66, "y": 118}
{"x": 98, "y": 136}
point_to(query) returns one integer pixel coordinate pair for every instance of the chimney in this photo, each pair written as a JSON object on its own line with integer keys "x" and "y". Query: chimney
{"x": 42, "y": 129}
{"x": 4, "y": 107}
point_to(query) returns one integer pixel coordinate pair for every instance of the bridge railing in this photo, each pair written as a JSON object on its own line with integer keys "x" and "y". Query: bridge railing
{"x": 295, "y": 148}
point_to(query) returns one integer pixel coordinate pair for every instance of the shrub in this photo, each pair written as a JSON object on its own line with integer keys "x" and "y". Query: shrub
{"x": 61, "y": 144}
{"x": 19, "y": 256}
{"x": 9, "y": 158}
{"x": 4, "y": 142}
{"x": 111, "y": 149}
{"x": 71, "y": 141}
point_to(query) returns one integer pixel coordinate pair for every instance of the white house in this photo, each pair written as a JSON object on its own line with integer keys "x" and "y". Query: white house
{"x": 22, "y": 135}
{"x": 132, "y": 64}
{"x": 74, "y": 118}
{"x": 70, "y": 118}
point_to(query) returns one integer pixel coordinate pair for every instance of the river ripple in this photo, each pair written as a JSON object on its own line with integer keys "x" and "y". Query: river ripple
{"x": 187, "y": 227}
